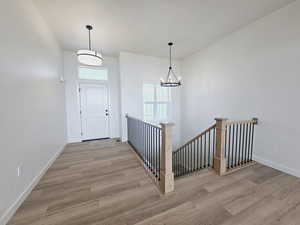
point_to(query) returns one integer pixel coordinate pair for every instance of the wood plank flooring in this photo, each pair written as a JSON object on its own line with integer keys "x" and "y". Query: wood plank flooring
{"x": 102, "y": 183}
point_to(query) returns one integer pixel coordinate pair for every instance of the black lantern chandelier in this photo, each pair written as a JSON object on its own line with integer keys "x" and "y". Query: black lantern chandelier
{"x": 172, "y": 80}
{"x": 89, "y": 57}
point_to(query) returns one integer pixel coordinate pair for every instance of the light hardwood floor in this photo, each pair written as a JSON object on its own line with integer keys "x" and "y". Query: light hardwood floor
{"x": 103, "y": 183}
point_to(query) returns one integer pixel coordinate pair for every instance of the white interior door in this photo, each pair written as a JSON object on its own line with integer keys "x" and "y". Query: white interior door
{"x": 94, "y": 111}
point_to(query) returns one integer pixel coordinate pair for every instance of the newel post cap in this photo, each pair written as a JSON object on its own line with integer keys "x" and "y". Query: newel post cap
{"x": 221, "y": 119}
{"x": 167, "y": 124}
{"x": 255, "y": 120}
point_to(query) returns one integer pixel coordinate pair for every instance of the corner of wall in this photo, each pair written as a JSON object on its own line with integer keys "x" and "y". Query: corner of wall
{"x": 14, "y": 207}
{"x": 277, "y": 166}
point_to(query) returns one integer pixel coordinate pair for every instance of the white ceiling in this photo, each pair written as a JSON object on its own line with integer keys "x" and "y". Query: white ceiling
{"x": 146, "y": 26}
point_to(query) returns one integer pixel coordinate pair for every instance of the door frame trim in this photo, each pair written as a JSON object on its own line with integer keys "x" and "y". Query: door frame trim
{"x": 93, "y": 82}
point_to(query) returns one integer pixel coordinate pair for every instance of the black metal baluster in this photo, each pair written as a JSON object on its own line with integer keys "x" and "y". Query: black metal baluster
{"x": 243, "y": 145}
{"x": 194, "y": 166}
{"x": 197, "y": 143}
{"x": 173, "y": 163}
{"x": 249, "y": 143}
{"x": 240, "y": 144}
{"x": 200, "y": 152}
{"x": 186, "y": 159}
{"x": 232, "y": 147}
{"x": 152, "y": 148}
{"x": 137, "y": 139}
{"x": 142, "y": 141}
{"x": 148, "y": 149}
{"x": 183, "y": 160}
{"x": 178, "y": 160}
{"x": 159, "y": 149}
{"x": 190, "y": 157}
{"x": 155, "y": 149}
{"x": 159, "y": 153}
{"x": 136, "y": 136}
{"x": 194, "y": 155}
{"x": 229, "y": 155}
{"x": 176, "y": 165}
{"x": 145, "y": 144}
{"x": 236, "y": 150}
{"x": 191, "y": 147}
{"x": 213, "y": 147}
{"x": 252, "y": 142}
{"x": 208, "y": 163}
{"x": 246, "y": 143}
{"x": 225, "y": 141}
{"x": 205, "y": 150}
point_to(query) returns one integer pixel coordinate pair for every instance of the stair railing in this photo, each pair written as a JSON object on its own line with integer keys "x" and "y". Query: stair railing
{"x": 196, "y": 154}
{"x": 238, "y": 143}
{"x": 225, "y": 146}
{"x": 153, "y": 146}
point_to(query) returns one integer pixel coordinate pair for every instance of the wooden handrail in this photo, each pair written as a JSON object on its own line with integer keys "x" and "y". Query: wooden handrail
{"x": 196, "y": 137}
{"x": 150, "y": 124}
{"x": 254, "y": 121}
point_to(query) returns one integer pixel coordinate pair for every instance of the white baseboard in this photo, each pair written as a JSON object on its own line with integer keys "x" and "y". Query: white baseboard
{"x": 74, "y": 139}
{"x": 14, "y": 207}
{"x": 277, "y": 166}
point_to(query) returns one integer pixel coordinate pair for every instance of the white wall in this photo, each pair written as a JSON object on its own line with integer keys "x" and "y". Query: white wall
{"x": 32, "y": 112}
{"x": 135, "y": 70}
{"x": 254, "y": 72}
{"x": 72, "y": 95}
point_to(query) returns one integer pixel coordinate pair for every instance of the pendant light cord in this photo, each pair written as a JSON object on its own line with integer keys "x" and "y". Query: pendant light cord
{"x": 170, "y": 57}
{"x": 90, "y": 40}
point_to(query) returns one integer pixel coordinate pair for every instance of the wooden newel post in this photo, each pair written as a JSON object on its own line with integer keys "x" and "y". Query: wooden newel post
{"x": 166, "y": 171}
{"x": 219, "y": 157}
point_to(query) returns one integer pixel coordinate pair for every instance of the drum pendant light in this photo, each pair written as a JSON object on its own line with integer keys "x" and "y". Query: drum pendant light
{"x": 89, "y": 57}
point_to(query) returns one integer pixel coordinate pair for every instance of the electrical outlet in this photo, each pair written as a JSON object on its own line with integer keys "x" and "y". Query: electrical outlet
{"x": 19, "y": 170}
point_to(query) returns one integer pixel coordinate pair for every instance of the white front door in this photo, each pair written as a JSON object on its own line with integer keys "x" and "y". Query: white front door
{"x": 94, "y": 111}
